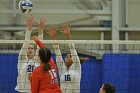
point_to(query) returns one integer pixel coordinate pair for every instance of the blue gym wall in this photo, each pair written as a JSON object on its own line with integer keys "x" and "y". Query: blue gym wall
{"x": 123, "y": 70}
{"x": 8, "y": 72}
{"x": 91, "y": 70}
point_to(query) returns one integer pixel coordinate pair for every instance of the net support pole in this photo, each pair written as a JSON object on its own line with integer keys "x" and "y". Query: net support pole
{"x": 115, "y": 24}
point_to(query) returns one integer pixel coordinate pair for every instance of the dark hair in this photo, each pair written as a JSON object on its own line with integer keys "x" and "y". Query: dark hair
{"x": 45, "y": 56}
{"x": 108, "y": 88}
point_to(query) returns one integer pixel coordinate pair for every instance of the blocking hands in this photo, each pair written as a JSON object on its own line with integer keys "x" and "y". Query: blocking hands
{"x": 29, "y": 21}
{"x": 52, "y": 32}
{"x": 66, "y": 30}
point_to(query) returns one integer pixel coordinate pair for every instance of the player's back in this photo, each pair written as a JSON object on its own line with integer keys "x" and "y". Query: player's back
{"x": 48, "y": 82}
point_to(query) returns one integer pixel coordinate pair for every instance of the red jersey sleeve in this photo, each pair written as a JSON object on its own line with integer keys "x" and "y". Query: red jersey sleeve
{"x": 40, "y": 44}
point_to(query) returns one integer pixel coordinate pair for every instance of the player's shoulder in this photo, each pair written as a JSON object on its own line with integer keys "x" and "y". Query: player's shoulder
{"x": 21, "y": 59}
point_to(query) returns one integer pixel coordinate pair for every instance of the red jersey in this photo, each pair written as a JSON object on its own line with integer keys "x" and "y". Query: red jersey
{"x": 45, "y": 81}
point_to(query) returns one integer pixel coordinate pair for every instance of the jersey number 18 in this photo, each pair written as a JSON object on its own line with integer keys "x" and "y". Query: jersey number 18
{"x": 52, "y": 73}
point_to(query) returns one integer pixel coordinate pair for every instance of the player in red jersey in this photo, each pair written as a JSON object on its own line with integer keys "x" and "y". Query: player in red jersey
{"x": 44, "y": 77}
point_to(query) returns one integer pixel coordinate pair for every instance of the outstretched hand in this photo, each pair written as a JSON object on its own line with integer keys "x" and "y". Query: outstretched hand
{"x": 35, "y": 38}
{"x": 30, "y": 20}
{"x": 83, "y": 59}
{"x": 66, "y": 28}
{"x": 52, "y": 32}
{"x": 41, "y": 25}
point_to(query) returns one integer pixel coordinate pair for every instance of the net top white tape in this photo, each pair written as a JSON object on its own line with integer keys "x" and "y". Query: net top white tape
{"x": 75, "y": 41}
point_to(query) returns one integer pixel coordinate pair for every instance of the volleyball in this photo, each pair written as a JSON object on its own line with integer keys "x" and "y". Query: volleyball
{"x": 25, "y": 6}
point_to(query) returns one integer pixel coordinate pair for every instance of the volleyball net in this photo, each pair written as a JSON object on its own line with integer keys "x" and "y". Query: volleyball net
{"x": 117, "y": 62}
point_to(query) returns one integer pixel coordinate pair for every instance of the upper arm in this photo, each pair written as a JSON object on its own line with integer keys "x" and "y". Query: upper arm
{"x": 59, "y": 59}
{"x": 75, "y": 57}
{"x": 40, "y": 37}
{"x": 23, "y": 51}
{"x": 40, "y": 44}
{"x": 35, "y": 83}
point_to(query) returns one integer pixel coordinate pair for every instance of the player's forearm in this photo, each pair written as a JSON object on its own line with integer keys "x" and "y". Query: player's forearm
{"x": 59, "y": 59}
{"x": 40, "y": 36}
{"x": 57, "y": 49}
{"x": 27, "y": 35}
{"x": 74, "y": 54}
{"x": 73, "y": 50}
{"x": 69, "y": 36}
{"x": 40, "y": 44}
{"x": 24, "y": 48}
{"x": 23, "y": 51}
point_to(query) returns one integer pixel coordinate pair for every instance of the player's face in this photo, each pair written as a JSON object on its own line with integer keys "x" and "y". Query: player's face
{"x": 101, "y": 90}
{"x": 31, "y": 51}
{"x": 68, "y": 60}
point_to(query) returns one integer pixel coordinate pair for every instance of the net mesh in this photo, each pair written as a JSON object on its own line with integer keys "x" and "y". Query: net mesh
{"x": 117, "y": 62}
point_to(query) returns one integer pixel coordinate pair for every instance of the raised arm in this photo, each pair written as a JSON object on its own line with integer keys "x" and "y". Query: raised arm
{"x": 41, "y": 26}
{"x": 23, "y": 51}
{"x": 75, "y": 58}
{"x": 38, "y": 42}
{"x": 59, "y": 59}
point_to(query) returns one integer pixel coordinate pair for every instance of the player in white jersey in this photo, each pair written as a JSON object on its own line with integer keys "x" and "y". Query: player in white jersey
{"x": 27, "y": 59}
{"x": 70, "y": 71}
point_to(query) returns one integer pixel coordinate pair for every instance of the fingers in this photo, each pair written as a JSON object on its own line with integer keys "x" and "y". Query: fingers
{"x": 66, "y": 25}
{"x": 66, "y": 28}
{"x": 42, "y": 23}
{"x": 42, "y": 20}
{"x": 30, "y": 17}
{"x": 51, "y": 31}
{"x": 34, "y": 37}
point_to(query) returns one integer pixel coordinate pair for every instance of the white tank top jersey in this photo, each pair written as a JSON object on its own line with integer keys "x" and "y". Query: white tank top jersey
{"x": 69, "y": 79}
{"x": 24, "y": 68}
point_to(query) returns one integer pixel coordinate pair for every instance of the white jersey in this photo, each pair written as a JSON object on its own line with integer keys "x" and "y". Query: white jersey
{"x": 25, "y": 67}
{"x": 69, "y": 79}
